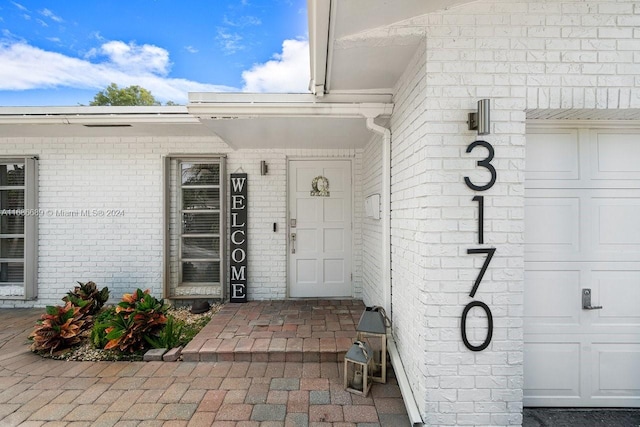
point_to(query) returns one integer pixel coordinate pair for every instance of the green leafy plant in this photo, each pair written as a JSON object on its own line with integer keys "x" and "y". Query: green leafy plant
{"x": 88, "y": 292}
{"x": 137, "y": 316}
{"x": 59, "y": 328}
{"x": 169, "y": 337}
{"x": 101, "y": 323}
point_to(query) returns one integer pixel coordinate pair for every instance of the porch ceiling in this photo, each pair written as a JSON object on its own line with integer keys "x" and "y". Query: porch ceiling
{"x": 365, "y": 45}
{"x": 263, "y": 121}
{"x": 291, "y": 132}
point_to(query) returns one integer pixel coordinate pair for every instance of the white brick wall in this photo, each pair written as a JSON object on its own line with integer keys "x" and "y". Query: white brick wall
{"x": 126, "y": 173}
{"x": 372, "y": 292}
{"x": 523, "y": 55}
{"x": 408, "y": 171}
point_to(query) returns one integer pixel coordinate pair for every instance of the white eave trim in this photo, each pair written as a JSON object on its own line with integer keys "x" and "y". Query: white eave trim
{"x": 319, "y": 12}
{"x": 96, "y": 115}
{"x": 209, "y": 105}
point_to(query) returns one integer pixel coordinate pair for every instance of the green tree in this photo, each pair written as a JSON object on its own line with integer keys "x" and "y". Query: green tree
{"x": 132, "y": 95}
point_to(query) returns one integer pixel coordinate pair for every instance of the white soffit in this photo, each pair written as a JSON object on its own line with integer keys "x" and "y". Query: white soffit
{"x": 291, "y": 132}
{"x": 367, "y": 44}
{"x": 264, "y": 121}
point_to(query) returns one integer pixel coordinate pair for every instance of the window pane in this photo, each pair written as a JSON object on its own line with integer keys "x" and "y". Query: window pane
{"x": 11, "y": 224}
{"x": 12, "y": 174}
{"x": 11, "y": 199}
{"x": 200, "y": 223}
{"x": 200, "y": 247}
{"x": 11, "y": 248}
{"x": 11, "y": 272}
{"x": 200, "y": 174}
{"x": 201, "y": 198}
{"x": 201, "y": 272}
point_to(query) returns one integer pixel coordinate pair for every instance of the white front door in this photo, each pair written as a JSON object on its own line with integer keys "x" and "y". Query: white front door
{"x": 582, "y": 235}
{"x": 320, "y": 228}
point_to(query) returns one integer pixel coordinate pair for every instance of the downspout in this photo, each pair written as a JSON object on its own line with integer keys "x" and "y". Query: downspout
{"x": 403, "y": 382}
{"x": 385, "y": 202}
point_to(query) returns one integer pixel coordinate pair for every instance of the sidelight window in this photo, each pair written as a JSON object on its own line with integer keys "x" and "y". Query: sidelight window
{"x": 195, "y": 220}
{"x": 18, "y": 228}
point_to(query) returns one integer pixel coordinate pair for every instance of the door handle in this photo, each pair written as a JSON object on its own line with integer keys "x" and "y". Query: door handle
{"x": 586, "y": 300}
{"x": 293, "y": 243}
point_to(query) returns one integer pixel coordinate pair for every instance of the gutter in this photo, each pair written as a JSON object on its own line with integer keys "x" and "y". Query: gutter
{"x": 96, "y": 115}
{"x": 236, "y": 105}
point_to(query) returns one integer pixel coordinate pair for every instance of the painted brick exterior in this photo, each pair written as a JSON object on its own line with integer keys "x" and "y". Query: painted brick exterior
{"x": 372, "y": 293}
{"x": 523, "y": 55}
{"x": 125, "y": 173}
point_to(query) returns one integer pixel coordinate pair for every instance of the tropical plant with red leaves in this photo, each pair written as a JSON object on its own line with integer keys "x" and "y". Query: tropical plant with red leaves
{"x": 88, "y": 292}
{"x": 59, "y": 328}
{"x": 137, "y": 317}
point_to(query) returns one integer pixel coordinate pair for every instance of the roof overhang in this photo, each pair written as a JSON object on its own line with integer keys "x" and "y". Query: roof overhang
{"x": 265, "y": 121}
{"x": 365, "y": 45}
{"x": 98, "y": 121}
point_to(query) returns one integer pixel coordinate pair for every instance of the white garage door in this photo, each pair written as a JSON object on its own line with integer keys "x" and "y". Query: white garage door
{"x": 582, "y": 236}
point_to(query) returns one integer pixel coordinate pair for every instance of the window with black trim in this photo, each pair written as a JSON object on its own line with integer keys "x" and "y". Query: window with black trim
{"x": 194, "y": 224}
{"x": 18, "y": 227}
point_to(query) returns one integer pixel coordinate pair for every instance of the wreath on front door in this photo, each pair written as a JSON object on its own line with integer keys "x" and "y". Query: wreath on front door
{"x": 320, "y": 186}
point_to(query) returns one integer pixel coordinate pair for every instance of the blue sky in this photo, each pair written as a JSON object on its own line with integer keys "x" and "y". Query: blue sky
{"x": 64, "y": 52}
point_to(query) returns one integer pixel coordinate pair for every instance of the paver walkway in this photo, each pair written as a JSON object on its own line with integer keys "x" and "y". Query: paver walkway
{"x": 309, "y": 330}
{"x": 41, "y": 392}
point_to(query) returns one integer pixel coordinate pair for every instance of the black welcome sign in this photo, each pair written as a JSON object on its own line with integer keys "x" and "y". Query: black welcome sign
{"x": 238, "y": 265}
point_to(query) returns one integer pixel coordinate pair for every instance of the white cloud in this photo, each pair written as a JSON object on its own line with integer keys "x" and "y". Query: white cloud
{"x": 27, "y": 67}
{"x": 49, "y": 14}
{"x": 243, "y": 21}
{"x": 230, "y": 42}
{"x": 131, "y": 57}
{"x": 19, "y": 6}
{"x": 191, "y": 49}
{"x": 286, "y": 72}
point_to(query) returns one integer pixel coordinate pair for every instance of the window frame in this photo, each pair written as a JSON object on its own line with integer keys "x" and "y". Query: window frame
{"x": 174, "y": 183}
{"x": 30, "y": 232}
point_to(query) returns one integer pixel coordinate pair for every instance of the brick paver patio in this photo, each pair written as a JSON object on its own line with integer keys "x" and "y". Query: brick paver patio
{"x": 294, "y": 391}
{"x": 307, "y": 330}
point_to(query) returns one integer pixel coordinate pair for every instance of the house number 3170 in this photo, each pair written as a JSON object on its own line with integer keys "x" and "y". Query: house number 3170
{"x": 486, "y": 164}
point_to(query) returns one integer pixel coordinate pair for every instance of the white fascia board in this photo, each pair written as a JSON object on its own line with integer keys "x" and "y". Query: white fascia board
{"x": 319, "y": 16}
{"x": 91, "y": 110}
{"x": 208, "y": 105}
{"x": 286, "y": 98}
{"x": 233, "y": 110}
{"x": 95, "y": 115}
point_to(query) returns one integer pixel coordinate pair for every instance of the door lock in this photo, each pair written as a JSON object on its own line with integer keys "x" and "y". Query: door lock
{"x": 586, "y": 300}
{"x": 293, "y": 243}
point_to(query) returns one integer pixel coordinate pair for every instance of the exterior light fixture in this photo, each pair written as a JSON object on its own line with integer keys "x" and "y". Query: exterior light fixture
{"x": 357, "y": 368}
{"x": 372, "y": 329}
{"x": 264, "y": 169}
{"x": 481, "y": 120}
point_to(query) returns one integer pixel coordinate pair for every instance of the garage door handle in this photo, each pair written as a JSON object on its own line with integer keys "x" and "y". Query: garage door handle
{"x": 586, "y": 301}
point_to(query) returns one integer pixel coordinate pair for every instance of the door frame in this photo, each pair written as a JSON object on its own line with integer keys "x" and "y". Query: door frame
{"x": 290, "y": 159}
